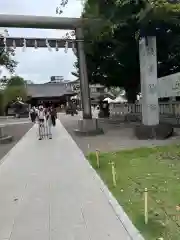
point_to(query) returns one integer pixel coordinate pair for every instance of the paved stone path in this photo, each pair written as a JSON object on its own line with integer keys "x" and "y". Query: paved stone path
{"x": 49, "y": 192}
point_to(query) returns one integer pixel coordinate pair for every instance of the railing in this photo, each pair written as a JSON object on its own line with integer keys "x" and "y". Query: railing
{"x": 171, "y": 109}
{"x": 121, "y": 109}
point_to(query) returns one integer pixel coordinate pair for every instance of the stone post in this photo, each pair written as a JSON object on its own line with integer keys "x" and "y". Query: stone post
{"x": 150, "y": 127}
{"x": 1, "y": 132}
{"x": 149, "y": 91}
{"x": 84, "y": 83}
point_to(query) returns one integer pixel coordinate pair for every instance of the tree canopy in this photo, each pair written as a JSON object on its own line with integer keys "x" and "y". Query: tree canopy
{"x": 13, "y": 88}
{"x": 6, "y": 56}
{"x": 16, "y": 81}
{"x": 112, "y": 47}
{"x": 6, "y": 59}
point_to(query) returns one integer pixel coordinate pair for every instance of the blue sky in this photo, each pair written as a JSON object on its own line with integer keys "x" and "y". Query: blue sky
{"x": 38, "y": 65}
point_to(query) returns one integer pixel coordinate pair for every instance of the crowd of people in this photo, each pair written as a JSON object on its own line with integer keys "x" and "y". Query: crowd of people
{"x": 45, "y": 117}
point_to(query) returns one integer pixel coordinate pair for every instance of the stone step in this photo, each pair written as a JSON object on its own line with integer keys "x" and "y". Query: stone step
{"x": 4, "y": 138}
{"x": 112, "y": 120}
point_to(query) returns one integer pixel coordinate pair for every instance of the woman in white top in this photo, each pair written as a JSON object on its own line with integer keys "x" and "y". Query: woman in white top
{"x": 41, "y": 119}
{"x": 41, "y": 114}
{"x": 45, "y": 123}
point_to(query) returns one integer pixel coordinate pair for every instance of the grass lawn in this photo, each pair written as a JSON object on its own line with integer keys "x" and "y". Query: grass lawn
{"x": 157, "y": 169}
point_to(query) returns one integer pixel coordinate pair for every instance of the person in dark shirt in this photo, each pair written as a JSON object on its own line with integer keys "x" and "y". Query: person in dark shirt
{"x": 53, "y": 115}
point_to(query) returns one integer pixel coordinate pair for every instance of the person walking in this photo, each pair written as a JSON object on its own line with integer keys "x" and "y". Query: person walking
{"x": 33, "y": 114}
{"x": 53, "y": 114}
{"x": 41, "y": 119}
{"x": 49, "y": 123}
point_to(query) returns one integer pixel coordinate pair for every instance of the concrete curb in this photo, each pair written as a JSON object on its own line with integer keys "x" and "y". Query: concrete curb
{"x": 122, "y": 216}
{"x": 13, "y": 123}
{"x": 131, "y": 230}
{"x": 6, "y": 117}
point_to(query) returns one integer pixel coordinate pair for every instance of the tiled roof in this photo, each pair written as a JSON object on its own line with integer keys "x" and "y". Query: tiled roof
{"x": 48, "y": 90}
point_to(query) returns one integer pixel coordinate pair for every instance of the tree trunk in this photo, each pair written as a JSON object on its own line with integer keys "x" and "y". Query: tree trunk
{"x": 131, "y": 94}
{"x": 1, "y": 104}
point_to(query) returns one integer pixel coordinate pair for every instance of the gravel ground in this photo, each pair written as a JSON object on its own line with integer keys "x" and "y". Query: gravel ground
{"x": 15, "y": 129}
{"x": 116, "y": 137}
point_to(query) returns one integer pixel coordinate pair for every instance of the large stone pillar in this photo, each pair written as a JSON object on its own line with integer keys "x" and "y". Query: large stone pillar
{"x": 148, "y": 69}
{"x": 87, "y": 125}
{"x": 84, "y": 83}
{"x": 150, "y": 127}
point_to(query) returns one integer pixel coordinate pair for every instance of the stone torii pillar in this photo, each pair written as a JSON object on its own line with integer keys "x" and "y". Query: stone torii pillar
{"x": 84, "y": 83}
{"x": 88, "y": 125}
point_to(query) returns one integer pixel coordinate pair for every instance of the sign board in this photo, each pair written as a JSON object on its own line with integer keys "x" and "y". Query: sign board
{"x": 169, "y": 86}
{"x": 57, "y": 78}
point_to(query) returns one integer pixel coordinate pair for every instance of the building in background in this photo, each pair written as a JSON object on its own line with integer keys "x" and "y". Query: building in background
{"x": 47, "y": 94}
{"x": 58, "y": 91}
{"x": 56, "y": 79}
{"x": 97, "y": 92}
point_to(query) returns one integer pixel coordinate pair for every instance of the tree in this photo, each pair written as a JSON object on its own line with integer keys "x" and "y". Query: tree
{"x": 76, "y": 73}
{"x": 3, "y": 82}
{"x": 112, "y": 47}
{"x": 7, "y": 54}
{"x": 12, "y": 93}
{"x": 15, "y": 88}
{"x": 1, "y": 103}
{"x": 16, "y": 81}
{"x": 116, "y": 91}
{"x": 6, "y": 59}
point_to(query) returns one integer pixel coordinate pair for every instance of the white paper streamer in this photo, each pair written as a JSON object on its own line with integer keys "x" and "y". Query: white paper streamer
{"x": 57, "y": 49}
{"x": 14, "y": 44}
{"x": 35, "y": 44}
{"x": 66, "y": 47}
{"x": 48, "y": 46}
{"x": 24, "y": 45}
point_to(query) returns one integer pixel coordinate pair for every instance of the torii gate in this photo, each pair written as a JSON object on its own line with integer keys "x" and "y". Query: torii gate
{"x": 43, "y": 22}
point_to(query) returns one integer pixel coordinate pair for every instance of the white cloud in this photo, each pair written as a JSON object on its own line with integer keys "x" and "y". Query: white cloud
{"x": 38, "y": 65}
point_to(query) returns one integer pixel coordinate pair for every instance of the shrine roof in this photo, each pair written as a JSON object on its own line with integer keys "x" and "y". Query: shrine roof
{"x": 48, "y": 90}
